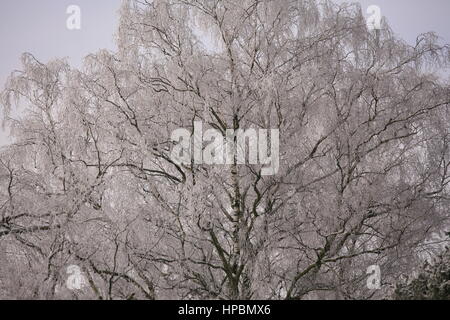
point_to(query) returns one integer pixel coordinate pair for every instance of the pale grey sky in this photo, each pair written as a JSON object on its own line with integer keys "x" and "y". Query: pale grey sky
{"x": 39, "y": 27}
{"x": 408, "y": 18}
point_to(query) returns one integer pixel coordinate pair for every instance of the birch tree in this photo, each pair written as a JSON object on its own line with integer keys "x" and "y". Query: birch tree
{"x": 363, "y": 164}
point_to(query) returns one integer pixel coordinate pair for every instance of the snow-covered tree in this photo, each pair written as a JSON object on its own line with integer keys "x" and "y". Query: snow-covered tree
{"x": 363, "y": 173}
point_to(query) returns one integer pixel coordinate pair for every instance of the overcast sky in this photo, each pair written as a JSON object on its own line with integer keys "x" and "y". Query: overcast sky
{"x": 39, "y": 27}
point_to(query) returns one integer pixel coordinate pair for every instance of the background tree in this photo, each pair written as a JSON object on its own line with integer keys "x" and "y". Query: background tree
{"x": 432, "y": 283}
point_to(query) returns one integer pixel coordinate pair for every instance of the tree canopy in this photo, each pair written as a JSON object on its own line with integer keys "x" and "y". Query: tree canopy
{"x": 364, "y": 157}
